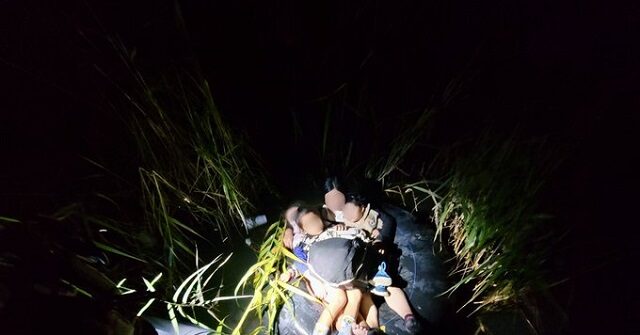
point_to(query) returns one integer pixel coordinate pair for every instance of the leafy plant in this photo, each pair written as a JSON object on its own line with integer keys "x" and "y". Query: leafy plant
{"x": 194, "y": 180}
{"x": 269, "y": 293}
{"x": 194, "y": 293}
{"x": 486, "y": 214}
{"x": 380, "y": 168}
{"x": 196, "y": 176}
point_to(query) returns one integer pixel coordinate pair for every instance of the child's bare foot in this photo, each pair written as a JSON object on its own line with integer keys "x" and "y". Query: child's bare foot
{"x": 359, "y": 330}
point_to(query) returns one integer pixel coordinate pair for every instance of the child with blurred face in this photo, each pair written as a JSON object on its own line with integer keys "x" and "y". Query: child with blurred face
{"x": 334, "y": 199}
{"x": 311, "y": 223}
{"x": 358, "y": 215}
{"x": 340, "y": 301}
{"x": 342, "y": 208}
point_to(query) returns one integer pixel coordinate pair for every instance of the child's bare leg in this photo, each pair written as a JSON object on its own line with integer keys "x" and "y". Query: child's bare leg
{"x": 354, "y": 296}
{"x": 337, "y": 299}
{"x": 398, "y": 302}
{"x": 369, "y": 311}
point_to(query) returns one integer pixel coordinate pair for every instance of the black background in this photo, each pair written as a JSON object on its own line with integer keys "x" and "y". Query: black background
{"x": 566, "y": 69}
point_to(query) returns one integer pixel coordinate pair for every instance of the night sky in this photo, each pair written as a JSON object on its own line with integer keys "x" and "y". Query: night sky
{"x": 563, "y": 69}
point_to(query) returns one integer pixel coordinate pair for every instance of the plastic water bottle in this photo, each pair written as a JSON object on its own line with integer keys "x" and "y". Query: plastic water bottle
{"x": 255, "y": 221}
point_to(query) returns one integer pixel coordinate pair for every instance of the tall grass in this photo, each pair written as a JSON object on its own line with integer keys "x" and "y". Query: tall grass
{"x": 194, "y": 185}
{"x": 402, "y": 151}
{"x": 196, "y": 175}
{"x": 197, "y": 293}
{"x": 380, "y": 167}
{"x": 269, "y": 293}
{"x": 188, "y": 149}
{"x": 487, "y": 215}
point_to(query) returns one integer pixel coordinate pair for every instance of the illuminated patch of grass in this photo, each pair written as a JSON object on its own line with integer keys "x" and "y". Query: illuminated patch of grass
{"x": 195, "y": 175}
{"x": 269, "y": 293}
{"x": 487, "y": 216}
{"x": 196, "y": 180}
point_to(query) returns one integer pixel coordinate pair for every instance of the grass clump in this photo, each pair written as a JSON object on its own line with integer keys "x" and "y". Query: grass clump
{"x": 192, "y": 183}
{"x": 196, "y": 176}
{"x": 487, "y": 218}
{"x": 269, "y": 293}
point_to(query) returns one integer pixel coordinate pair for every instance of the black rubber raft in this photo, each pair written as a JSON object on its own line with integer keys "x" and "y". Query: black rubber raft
{"x": 419, "y": 267}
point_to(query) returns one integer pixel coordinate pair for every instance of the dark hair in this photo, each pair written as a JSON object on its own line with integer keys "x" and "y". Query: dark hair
{"x": 331, "y": 183}
{"x": 302, "y": 210}
{"x": 356, "y": 199}
{"x": 283, "y": 214}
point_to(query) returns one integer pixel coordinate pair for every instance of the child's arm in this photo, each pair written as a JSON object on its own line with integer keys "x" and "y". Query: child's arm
{"x": 298, "y": 267}
{"x": 287, "y": 238}
{"x": 376, "y": 233}
{"x": 292, "y": 229}
{"x": 288, "y": 275}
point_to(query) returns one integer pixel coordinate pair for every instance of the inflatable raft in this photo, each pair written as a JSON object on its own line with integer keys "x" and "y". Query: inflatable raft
{"x": 419, "y": 267}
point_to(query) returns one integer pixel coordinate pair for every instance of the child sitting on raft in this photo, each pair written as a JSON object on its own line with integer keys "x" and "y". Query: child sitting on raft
{"x": 336, "y": 258}
{"x": 335, "y": 198}
{"x": 359, "y": 214}
{"x": 357, "y": 211}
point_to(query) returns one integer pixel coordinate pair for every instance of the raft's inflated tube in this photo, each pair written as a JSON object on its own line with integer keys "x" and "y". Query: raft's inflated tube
{"x": 419, "y": 268}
